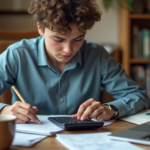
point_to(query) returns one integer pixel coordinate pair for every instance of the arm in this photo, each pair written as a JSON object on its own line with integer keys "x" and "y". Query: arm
{"x": 8, "y": 76}
{"x": 129, "y": 97}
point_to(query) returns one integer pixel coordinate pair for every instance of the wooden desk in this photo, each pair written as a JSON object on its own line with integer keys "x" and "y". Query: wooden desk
{"x": 53, "y": 144}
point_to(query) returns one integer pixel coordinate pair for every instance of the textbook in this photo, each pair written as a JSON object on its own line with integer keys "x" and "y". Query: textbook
{"x": 45, "y": 128}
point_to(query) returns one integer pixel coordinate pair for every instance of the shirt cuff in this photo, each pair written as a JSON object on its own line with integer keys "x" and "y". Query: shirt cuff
{"x": 120, "y": 106}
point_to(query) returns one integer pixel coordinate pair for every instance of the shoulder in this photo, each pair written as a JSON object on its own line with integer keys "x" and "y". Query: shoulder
{"x": 27, "y": 44}
{"x": 89, "y": 48}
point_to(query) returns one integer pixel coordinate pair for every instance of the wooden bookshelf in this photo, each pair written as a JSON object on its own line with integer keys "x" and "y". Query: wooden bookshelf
{"x": 127, "y": 20}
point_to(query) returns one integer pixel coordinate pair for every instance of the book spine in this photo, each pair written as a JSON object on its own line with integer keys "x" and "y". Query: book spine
{"x": 135, "y": 41}
{"x": 146, "y": 45}
{"x": 140, "y": 44}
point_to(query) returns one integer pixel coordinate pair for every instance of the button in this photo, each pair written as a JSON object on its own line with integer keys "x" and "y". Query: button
{"x": 61, "y": 100}
{"x": 61, "y": 78}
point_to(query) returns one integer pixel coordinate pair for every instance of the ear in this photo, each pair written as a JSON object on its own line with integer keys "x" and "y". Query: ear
{"x": 40, "y": 30}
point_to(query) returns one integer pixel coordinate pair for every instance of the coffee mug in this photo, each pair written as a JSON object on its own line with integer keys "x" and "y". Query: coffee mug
{"x": 7, "y": 130}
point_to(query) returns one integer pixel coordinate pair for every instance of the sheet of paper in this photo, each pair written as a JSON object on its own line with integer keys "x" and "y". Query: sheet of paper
{"x": 46, "y": 127}
{"x": 94, "y": 141}
{"x": 139, "y": 118}
{"x": 106, "y": 123}
{"x": 24, "y": 139}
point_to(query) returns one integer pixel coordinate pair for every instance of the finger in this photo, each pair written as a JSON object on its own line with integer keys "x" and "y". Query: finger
{"x": 88, "y": 112}
{"x": 23, "y": 118}
{"x": 35, "y": 108}
{"x": 74, "y": 116}
{"x": 28, "y": 113}
{"x": 21, "y": 121}
{"x": 27, "y": 107}
{"x": 83, "y": 107}
{"x": 97, "y": 112}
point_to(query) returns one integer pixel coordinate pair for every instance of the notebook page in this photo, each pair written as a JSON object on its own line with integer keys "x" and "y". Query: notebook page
{"x": 46, "y": 127}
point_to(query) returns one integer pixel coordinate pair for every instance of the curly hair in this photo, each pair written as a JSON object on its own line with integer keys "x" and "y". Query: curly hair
{"x": 58, "y": 14}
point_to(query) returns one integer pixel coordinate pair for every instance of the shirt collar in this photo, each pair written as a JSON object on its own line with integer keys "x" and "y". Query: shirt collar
{"x": 42, "y": 59}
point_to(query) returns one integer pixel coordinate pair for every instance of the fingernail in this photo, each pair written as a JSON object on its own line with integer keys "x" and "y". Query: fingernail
{"x": 36, "y": 121}
{"x": 82, "y": 118}
{"x": 78, "y": 117}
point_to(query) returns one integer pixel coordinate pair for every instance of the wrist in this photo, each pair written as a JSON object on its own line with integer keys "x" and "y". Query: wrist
{"x": 114, "y": 110}
{"x": 5, "y": 110}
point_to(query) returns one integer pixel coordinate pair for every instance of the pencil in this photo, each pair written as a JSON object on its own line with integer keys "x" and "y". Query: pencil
{"x": 20, "y": 96}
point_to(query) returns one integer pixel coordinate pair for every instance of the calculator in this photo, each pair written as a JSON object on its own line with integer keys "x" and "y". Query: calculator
{"x": 69, "y": 123}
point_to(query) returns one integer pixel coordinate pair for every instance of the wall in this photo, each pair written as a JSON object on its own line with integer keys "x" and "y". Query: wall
{"x": 104, "y": 31}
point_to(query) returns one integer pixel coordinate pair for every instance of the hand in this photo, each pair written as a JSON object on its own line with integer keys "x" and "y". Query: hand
{"x": 23, "y": 111}
{"x": 93, "y": 109}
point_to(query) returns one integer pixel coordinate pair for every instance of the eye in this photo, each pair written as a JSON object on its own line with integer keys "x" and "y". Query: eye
{"x": 58, "y": 40}
{"x": 78, "y": 40}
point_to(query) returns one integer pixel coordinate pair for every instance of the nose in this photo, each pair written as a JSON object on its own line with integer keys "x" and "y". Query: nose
{"x": 68, "y": 47}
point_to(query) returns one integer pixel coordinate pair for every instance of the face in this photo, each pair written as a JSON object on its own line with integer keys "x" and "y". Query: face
{"x": 61, "y": 48}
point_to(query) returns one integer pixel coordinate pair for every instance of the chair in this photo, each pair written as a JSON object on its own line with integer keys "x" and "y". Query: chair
{"x": 6, "y": 39}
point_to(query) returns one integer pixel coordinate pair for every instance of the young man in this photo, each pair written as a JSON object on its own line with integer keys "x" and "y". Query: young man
{"x": 61, "y": 73}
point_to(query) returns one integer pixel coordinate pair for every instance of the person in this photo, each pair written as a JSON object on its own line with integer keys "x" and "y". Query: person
{"x": 60, "y": 72}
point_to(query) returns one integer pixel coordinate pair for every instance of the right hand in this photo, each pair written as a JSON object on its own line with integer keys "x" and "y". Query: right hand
{"x": 23, "y": 111}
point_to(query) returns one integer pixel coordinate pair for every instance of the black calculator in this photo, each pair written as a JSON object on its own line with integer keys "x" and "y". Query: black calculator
{"x": 69, "y": 123}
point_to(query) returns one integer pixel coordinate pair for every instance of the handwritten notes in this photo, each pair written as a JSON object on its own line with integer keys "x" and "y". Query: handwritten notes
{"x": 46, "y": 128}
{"x": 94, "y": 141}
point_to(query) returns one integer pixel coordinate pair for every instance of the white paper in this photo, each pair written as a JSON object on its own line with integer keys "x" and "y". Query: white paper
{"x": 106, "y": 123}
{"x": 46, "y": 127}
{"x": 94, "y": 141}
{"x": 139, "y": 118}
{"x": 24, "y": 139}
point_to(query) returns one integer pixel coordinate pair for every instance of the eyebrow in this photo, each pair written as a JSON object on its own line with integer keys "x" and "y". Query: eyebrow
{"x": 64, "y": 39}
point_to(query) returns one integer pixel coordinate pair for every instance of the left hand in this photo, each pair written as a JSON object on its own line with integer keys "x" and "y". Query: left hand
{"x": 93, "y": 109}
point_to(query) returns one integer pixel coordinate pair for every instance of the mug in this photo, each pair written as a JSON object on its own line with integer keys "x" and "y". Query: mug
{"x": 7, "y": 130}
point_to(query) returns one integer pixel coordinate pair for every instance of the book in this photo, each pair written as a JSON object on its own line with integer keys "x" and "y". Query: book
{"x": 135, "y": 41}
{"x": 46, "y": 127}
{"x": 146, "y": 43}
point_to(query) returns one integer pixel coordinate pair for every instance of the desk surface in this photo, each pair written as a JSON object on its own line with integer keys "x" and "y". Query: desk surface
{"x": 52, "y": 143}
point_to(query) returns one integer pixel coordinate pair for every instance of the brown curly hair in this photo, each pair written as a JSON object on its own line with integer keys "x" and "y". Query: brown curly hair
{"x": 58, "y": 14}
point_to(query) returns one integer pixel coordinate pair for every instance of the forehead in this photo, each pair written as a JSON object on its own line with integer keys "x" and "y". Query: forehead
{"x": 75, "y": 32}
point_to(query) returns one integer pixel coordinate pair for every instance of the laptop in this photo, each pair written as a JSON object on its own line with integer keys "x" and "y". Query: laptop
{"x": 139, "y": 134}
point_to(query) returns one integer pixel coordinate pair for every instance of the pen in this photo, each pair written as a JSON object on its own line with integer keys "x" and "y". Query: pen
{"x": 20, "y": 96}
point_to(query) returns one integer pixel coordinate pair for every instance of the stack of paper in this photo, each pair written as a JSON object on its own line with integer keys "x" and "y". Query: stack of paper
{"x": 94, "y": 141}
{"x": 45, "y": 128}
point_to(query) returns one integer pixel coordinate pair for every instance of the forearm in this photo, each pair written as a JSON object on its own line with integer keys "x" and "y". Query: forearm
{"x": 131, "y": 103}
{"x": 5, "y": 110}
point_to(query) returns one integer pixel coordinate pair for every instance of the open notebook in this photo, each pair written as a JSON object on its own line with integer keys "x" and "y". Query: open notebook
{"x": 47, "y": 128}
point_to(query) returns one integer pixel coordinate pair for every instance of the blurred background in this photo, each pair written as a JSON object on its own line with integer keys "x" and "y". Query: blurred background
{"x": 14, "y": 16}
{"x": 124, "y": 31}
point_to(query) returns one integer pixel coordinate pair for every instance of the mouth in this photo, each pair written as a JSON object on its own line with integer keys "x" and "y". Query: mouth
{"x": 66, "y": 56}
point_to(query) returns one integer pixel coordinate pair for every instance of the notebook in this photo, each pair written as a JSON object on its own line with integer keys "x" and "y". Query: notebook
{"x": 47, "y": 127}
{"x": 139, "y": 134}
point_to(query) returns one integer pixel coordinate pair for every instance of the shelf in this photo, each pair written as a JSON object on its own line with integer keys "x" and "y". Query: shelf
{"x": 140, "y": 16}
{"x": 139, "y": 61}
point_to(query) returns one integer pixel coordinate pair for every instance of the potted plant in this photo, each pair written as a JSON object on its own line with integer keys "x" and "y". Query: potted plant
{"x": 127, "y": 4}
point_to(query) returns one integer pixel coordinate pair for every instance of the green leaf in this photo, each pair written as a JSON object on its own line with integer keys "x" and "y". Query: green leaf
{"x": 107, "y": 3}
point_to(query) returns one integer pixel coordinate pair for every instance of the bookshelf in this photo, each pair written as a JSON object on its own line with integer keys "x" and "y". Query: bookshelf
{"x": 135, "y": 51}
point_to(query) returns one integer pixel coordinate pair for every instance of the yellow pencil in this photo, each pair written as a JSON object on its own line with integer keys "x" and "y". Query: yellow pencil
{"x": 20, "y": 96}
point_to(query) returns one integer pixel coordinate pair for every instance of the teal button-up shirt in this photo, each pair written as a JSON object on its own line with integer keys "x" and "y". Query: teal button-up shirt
{"x": 25, "y": 65}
